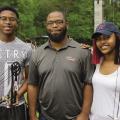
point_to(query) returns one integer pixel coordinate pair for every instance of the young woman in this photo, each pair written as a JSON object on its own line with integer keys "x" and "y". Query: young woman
{"x": 106, "y": 79}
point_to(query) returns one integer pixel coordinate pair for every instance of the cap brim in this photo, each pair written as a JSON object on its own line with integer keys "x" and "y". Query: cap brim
{"x": 103, "y": 32}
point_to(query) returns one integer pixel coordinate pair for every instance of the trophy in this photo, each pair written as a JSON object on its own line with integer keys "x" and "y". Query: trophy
{"x": 15, "y": 71}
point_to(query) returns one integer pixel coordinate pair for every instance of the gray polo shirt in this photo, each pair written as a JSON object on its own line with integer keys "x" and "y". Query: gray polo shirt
{"x": 61, "y": 75}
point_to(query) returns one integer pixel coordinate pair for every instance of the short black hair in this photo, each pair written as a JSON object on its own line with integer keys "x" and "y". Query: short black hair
{"x": 62, "y": 12}
{"x": 10, "y": 9}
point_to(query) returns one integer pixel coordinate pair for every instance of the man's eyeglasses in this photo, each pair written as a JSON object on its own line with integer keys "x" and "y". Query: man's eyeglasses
{"x": 57, "y": 22}
{"x": 11, "y": 19}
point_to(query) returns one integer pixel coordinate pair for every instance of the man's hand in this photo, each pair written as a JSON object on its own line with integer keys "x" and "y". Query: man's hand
{"x": 85, "y": 46}
{"x": 17, "y": 98}
{"x": 34, "y": 118}
{"x": 82, "y": 116}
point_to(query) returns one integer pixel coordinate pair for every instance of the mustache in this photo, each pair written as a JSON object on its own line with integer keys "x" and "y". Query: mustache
{"x": 59, "y": 37}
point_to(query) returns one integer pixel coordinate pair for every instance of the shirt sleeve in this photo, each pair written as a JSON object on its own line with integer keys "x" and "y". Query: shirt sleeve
{"x": 88, "y": 68}
{"x": 28, "y": 56}
{"x": 33, "y": 70}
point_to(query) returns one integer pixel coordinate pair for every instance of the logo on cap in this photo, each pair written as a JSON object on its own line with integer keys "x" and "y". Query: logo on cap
{"x": 101, "y": 26}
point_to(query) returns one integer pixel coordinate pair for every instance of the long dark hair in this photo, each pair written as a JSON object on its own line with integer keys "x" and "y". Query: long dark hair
{"x": 117, "y": 50}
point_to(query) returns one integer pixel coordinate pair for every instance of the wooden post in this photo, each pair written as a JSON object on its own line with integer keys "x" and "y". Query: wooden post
{"x": 98, "y": 12}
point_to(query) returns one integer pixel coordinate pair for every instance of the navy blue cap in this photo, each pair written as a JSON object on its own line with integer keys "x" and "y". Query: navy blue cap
{"x": 106, "y": 28}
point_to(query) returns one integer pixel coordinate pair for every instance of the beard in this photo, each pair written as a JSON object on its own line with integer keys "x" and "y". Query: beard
{"x": 58, "y": 38}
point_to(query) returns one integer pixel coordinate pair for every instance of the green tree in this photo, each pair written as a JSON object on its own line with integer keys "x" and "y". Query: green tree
{"x": 80, "y": 19}
{"x": 33, "y": 14}
{"x": 112, "y": 11}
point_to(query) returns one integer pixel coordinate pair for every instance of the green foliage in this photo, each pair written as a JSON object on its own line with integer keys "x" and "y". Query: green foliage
{"x": 112, "y": 11}
{"x": 33, "y": 15}
{"x": 81, "y": 20}
{"x": 79, "y": 14}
